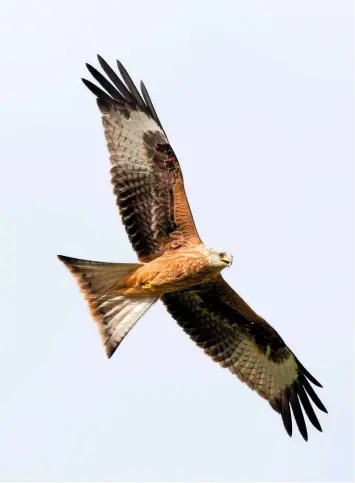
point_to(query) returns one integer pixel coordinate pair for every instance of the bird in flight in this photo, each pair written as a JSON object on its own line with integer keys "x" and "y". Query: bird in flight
{"x": 175, "y": 266}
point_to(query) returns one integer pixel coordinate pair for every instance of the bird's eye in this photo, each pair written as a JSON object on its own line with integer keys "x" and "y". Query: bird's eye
{"x": 221, "y": 254}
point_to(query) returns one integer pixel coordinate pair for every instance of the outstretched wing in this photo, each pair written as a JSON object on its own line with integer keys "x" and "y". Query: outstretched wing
{"x": 229, "y": 331}
{"x": 145, "y": 172}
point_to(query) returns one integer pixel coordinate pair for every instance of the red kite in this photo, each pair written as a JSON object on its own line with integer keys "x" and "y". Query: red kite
{"x": 175, "y": 265}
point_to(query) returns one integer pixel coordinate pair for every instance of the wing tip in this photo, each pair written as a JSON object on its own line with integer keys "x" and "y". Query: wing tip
{"x": 295, "y": 403}
{"x": 306, "y": 373}
{"x": 124, "y": 91}
{"x": 99, "y": 93}
{"x": 286, "y": 411}
{"x": 66, "y": 260}
{"x": 109, "y": 351}
{"x": 120, "y": 65}
{"x": 288, "y": 429}
{"x": 324, "y": 409}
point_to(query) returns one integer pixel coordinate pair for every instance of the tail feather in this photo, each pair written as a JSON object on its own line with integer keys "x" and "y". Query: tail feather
{"x": 100, "y": 283}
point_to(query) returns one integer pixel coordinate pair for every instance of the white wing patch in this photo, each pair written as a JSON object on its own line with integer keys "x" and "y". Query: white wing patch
{"x": 125, "y": 138}
{"x": 266, "y": 377}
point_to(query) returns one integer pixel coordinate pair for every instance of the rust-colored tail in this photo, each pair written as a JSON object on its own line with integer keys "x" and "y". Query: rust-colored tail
{"x": 100, "y": 283}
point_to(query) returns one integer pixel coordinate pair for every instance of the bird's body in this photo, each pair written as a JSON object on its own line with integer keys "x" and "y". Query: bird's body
{"x": 175, "y": 266}
{"x": 176, "y": 270}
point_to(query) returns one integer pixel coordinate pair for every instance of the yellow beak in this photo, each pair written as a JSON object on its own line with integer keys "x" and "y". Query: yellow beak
{"x": 228, "y": 259}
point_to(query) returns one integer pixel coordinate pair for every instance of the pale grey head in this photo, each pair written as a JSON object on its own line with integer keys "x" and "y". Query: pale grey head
{"x": 219, "y": 258}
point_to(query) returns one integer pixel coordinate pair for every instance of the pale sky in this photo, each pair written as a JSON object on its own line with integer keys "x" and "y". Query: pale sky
{"x": 256, "y": 98}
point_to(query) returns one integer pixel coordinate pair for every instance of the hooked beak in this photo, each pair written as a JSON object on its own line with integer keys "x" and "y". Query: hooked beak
{"x": 228, "y": 260}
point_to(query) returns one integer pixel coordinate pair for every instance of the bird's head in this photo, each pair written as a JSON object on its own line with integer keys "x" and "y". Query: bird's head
{"x": 219, "y": 258}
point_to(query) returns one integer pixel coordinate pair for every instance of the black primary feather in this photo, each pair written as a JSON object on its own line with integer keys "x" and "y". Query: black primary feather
{"x": 297, "y": 412}
{"x": 105, "y": 83}
{"x": 116, "y": 80}
{"x": 307, "y": 374}
{"x": 150, "y": 104}
{"x": 307, "y": 406}
{"x": 286, "y": 412}
{"x": 120, "y": 91}
{"x": 129, "y": 83}
{"x": 312, "y": 394}
{"x": 99, "y": 93}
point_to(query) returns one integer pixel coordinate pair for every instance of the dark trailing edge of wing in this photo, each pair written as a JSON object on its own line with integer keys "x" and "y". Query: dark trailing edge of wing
{"x": 119, "y": 91}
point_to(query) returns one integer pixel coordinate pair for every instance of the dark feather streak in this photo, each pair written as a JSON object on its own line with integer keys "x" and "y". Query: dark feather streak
{"x": 307, "y": 406}
{"x": 116, "y": 80}
{"x": 307, "y": 374}
{"x": 105, "y": 83}
{"x": 149, "y": 103}
{"x": 297, "y": 412}
{"x": 97, "y": 91}
{"x": 286, "y": 412}
{"x": 133, "y": 89}
{"x": 312, "y": 394}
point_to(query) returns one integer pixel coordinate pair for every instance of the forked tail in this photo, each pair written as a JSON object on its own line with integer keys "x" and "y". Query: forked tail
{"x": 100, "y": 283}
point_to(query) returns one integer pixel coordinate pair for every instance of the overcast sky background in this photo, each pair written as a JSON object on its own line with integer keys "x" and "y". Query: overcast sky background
{"x": 256, "y": 98}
